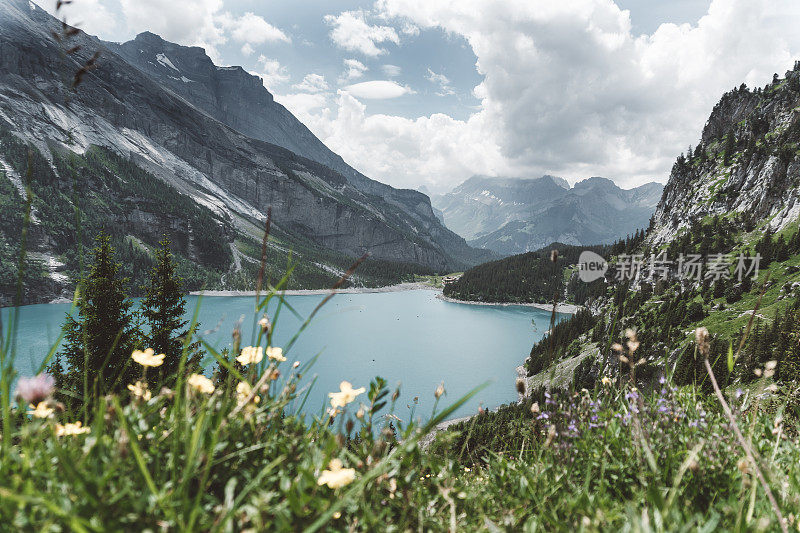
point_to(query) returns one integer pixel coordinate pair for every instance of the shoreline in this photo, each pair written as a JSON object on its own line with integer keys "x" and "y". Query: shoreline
{"x": 569, "y": 309}
{"x": 400, "y": 287}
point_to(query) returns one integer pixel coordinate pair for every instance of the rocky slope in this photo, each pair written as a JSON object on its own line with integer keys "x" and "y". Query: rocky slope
{"x": 747, "y": 162}
{"x": 514, "y": 216}
{"x": 232, "y": 168}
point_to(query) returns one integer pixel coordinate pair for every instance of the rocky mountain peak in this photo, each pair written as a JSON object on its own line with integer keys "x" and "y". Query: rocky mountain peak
{"x": 747, "y": 162}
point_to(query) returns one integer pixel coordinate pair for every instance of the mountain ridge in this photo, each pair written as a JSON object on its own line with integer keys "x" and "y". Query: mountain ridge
{"x": 120, "y": 107}
{"x": 518, "y": 215}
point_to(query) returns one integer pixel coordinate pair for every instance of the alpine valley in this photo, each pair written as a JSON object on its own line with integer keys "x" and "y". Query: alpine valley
{"x": 158, "y": 140}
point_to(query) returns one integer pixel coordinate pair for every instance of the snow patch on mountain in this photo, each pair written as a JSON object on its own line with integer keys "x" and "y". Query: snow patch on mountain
{"x": 164, "y": 60}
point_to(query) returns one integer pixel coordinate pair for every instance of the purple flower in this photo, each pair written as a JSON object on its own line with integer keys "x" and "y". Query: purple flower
{"x": 36, "y": 389}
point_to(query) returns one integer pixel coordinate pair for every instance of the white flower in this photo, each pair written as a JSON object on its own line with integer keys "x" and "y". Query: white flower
{"x": 148, "y": 357}
{"x": 275, "y": 353}
{"x": 345, "y": 395}
{"x": 243, "y": 392}
{"x": 336, "y": 476}
{"x": 42, "y": 410}
{"x": 140, "y": 390}
{"x": 68, "y": 429}
{"x": 201, "y": 383}
{"x": 251, "y": 355}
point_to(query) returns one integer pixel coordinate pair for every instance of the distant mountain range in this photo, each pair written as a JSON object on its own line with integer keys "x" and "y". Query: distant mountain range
{"x": 515, "y": 215}
{"x": 211, "y": 134}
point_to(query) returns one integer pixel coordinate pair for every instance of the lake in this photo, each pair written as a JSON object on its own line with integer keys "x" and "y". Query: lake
{"x": 409, "y": 337}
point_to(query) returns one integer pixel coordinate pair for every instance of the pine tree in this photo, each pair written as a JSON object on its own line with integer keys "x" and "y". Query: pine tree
{"x": 163, "y": 309}
{"x": 100, "y": 339}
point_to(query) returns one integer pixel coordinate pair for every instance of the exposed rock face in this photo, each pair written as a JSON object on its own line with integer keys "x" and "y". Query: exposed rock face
{"x": 747, "y": 162}
{"x": 514, "y": 216}
{"x": 214, "y": 138}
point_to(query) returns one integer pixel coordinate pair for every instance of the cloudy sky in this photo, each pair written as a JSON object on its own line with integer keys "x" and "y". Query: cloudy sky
{"x": 430, "y": 92}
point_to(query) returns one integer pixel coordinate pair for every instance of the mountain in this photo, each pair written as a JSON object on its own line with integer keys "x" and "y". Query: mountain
{"x": 746, "y": 163}
{"x": 210, "y": 135}
{"x": 733, "y": 200}
{"x": 512, "y": 216}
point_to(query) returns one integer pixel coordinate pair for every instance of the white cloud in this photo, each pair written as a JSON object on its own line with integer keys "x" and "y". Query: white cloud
{"x": 569, "y": 89}
{"x": 188, "y": 22}
{"x": 302, "y": 104}
{"x": 272, "y": 72}
{"x": 253, "y": 29}
{"x": 198, "y": 23}
{"x": 89, "y": 15}
{"x": 312, "y": 83}
{"x": 391, "y": 70}
{"x": 445, "y": 89}
{"x": 355, "y": 69}
{"x": 406, "y": 152}
{"x": 378, "y": 90}
{"x": 247, "y": 49}
{"x": 409, "y": 29}
{"x": 351, "y": 31}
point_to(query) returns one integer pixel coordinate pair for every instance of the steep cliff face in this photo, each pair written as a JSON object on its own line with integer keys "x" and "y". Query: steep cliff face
{"x": 238, "y": 99}
{"x": 748, "y": 162}
{"x": 168, "y": 127}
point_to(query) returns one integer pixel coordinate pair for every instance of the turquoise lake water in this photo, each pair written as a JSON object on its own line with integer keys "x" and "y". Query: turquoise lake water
{"x": 409, "y": 337}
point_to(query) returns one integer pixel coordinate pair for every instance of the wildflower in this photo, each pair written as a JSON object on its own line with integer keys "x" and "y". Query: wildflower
{"x": 148, "y": 358}
{"x": 251, "y": 355}
{"x": 701, "y": 337}
{"x": 140, "y": 390}
{"x": 336, "y": 476}
{"x": 769, "y": 368}
{"x": 276, "y": 354}
{"x": 617, "y": 347}
{"x": 42, "y": 410}
{"x": 360, "y": 413}
{"x": 265, "y": 325}
{"x": 439, "y": 390}
{"x": 743, "y": 465}
{"x": 70, "y": 429}
{"x": 36, "y": 389}
{"x": 337, "y": 515}
{"x": 345, "y": 395}
{"x": 535, "y": 407}
{"x": 201, "y": 383}
{"x": 466, "y": 469}
{"x": 606, "y": 381}
{"x": 243, "y": 392}
{"x": 295, "y": 364}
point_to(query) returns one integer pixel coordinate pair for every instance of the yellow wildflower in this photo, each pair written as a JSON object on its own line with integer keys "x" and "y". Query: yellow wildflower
{"x": 345, "y": 395}
{"x": 148, "y": 357}
{"x": 69, "y": 429}
{"x": 606, "y": 380}
{"x": 275, "y": 353}
{"x": 42, "y": 410}
{"x": 201, "y": 383}
{"x": 251, "y": 355}
{"x": 336, "y": 476}
{"x": 140, "y": 390}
